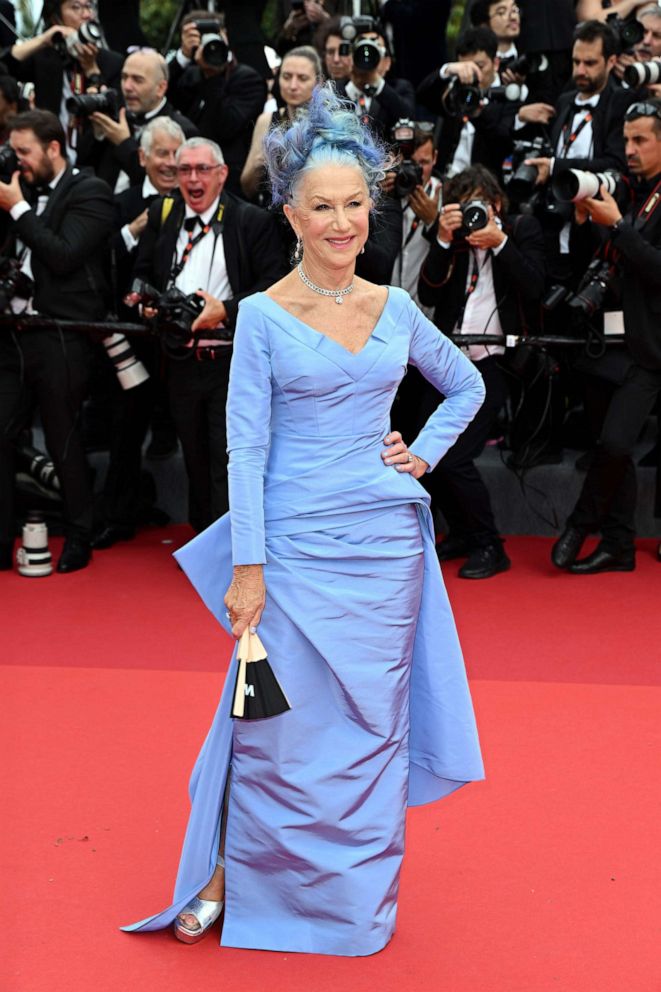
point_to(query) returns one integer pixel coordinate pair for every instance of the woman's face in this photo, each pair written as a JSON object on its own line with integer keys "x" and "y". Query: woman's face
{"x": 297, "y": 80}
{"x": 331, "y": 214}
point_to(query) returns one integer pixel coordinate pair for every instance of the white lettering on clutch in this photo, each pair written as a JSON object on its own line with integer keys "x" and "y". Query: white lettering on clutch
{"x": 249, "y": 690}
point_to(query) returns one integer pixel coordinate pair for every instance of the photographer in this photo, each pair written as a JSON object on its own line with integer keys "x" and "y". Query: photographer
{"x": 420, "y": 211}
{"x": 474, "y": 129}
{"x": 377, "y": 102}
{"x": 112, "y": 147}
{"x": 62, "y": 220}
{"x": 222, "y": 97}
{"x": 586, "y": 132}
{"x": 481, "y": 274}
{"x": 648, "y": 48}
{"x": 626, "y": 381}
{"x": 61, "y": 64}
{"x": 503, "y": 17}
{"x": 210, "y": 244}
{"x": 296, "y": 21}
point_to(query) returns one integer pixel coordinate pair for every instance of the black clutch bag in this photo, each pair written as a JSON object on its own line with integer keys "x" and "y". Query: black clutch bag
{"x": 257, "y": 693}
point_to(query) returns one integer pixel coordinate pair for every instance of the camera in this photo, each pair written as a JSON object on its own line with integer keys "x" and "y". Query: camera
{"x": 462, "y": 99}
{"x": 215, "y": 50}
{"x": 512, "y": 93}
{"x": 522, "y": 182}
{"x": 475, "y": 215}
{"x": 13, "y": 283}
{"x": 525, "y": 65}
{"x": 629, "y": 30}
{"x": 600, "y": 278}
{"x": 643, "y": 73}
{"x": 8, "y": 163}
{"x": 176, "y": 313}
{"x": 129, "y": 369}
{"x": 85, "y": 104}
{"x": 575, "y": 184}
{"x": 89, "y": 33}
{"x": 408, "y": 173}
{"x": 366, "y": 52}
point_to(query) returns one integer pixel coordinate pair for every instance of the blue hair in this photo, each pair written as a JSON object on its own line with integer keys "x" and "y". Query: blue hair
{"x": 326, "y": 132}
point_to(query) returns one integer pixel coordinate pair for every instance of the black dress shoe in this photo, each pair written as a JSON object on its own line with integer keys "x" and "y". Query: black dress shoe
{"x": 111, "y": 534}
{"x": 452, "y": 547}
{"x": 604, "y": 561}
{"x": 566, "y": 549}
{"x": 485, "y": 562}
{"x": 76, "y": 554}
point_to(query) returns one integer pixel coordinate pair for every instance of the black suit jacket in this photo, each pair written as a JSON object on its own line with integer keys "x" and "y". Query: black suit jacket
{"x": 69, "y": 248}
{"x": 253, "y": 249}
{"x": 493, "y": 127}
{"x": 224, "y": 108}
{"x": 518, "y": 277}
{"x": 46, "y": 70}
{"x": 127, "y": 206}
{"x": 109, "y": 160}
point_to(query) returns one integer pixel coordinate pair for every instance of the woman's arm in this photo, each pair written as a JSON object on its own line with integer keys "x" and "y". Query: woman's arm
{"x": 248, "y": 439}
{"x": 254, "y": 168}
{"x": 455, "y": 376}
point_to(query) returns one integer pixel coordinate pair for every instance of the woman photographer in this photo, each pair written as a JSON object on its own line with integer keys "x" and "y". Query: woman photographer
{"x": 479, "y": 280}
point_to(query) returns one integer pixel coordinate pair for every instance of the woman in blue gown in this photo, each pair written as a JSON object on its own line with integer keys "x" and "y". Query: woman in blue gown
{"x": 329, "y": 546}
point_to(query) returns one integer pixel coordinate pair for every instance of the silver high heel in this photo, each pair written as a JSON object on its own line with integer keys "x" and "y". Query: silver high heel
{"x": 205, "y": 911}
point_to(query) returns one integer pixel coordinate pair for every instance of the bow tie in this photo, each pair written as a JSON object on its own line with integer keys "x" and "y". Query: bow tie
{"x": 191, "y": 223}
{"x": 583, "y": 108}
{"x": 43, "y": 190}
{"x": 136, "y": 120}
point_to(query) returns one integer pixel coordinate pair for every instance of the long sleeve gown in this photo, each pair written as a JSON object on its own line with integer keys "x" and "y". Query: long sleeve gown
{"x": 357, "y": 625}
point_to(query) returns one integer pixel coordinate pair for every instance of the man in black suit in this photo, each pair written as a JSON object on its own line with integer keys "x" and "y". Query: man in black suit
{"x": 130, "y": 410}
{"x": 608, "y": 499}
{"x": 58, "y": 71}
{"x": 586, "y": 132}
{"x": 485, "y": 136}
{"x": 62, "y": 220}
{"x": 210, "y": 243}
{"x": 221, "y": 96}
{"x": 144, "y": 85}
{"x": 479, "y": 283}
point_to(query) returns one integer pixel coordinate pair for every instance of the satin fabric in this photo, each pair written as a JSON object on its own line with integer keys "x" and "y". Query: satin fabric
{"x": 358, "y": 628}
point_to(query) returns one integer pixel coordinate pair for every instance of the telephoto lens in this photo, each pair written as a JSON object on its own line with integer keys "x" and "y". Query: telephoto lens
{"x": 89, "y": 33}
{"x": 128, "y": 368}
{"x": 214, "y": 50}
{"x": 575, "y": 184}
{"x": 33, "y": 558}
{"x": 475, "y": 214}
{"x": 643, "y": 73}
{"x": 366, "y": 55}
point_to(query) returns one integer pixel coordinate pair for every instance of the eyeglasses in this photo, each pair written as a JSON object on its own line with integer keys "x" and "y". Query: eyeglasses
{"x": 201, "y": 170}
{"x": 505, "y": 11}
{"x": 642, "y": 109}
{"x": 82, "y": 8}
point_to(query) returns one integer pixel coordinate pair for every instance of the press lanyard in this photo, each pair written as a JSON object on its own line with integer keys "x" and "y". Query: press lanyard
{"x": 192, "y": 241}
{"x": 568, "y": 142}
{"x": 472, "y": 283}
{"x": 648, "y": 207}
{"x": 362, "y": 106}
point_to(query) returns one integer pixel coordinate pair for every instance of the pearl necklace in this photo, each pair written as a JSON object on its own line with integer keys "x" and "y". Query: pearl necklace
{"x": 337, "y": 293}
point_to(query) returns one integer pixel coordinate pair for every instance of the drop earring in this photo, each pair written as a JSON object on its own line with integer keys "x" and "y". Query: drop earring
{"x": 362, "y": 250}
{"x": 298, "y": 251}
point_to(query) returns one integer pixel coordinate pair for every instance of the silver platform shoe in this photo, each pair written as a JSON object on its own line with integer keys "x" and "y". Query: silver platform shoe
{"x": 205, "y": 911}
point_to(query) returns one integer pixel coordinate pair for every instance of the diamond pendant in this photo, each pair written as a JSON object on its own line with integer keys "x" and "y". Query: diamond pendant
{"x": 338, "y": 299}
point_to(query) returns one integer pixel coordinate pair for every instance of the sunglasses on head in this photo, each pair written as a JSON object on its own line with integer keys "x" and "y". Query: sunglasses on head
{"x": 643, "y": 109}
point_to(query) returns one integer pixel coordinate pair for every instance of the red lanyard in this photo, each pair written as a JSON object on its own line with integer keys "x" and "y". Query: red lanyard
{"x": 472, "y": 283}
{"x": 362, "y": 105}
{"x": 568, "y": 142}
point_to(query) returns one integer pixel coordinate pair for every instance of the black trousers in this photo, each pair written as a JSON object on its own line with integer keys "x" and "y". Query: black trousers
{"x": 455, "y": 485}
{"x": 49, "y": 370}
{"x": 198, "y": 395}
{"x": 607, "y": 503}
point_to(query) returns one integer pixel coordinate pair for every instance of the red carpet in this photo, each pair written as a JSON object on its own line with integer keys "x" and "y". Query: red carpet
{"x": 546, "y": 877}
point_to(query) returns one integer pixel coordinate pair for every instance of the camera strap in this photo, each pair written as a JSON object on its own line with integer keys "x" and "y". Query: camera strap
{"x": 648, "y": 207}
{"x": 568, "y": 141}
{"x": 473, "y": 280}
{"x": 216, "y": 225}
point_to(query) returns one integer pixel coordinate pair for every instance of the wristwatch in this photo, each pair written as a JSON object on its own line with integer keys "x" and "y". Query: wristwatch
{"x": 614, "y": 228}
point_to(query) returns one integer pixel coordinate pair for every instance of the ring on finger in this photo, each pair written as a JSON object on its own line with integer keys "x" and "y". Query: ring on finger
{"x": 409, "y": 457}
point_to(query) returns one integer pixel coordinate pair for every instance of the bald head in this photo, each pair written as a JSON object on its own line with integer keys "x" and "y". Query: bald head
{"x": 144, "y": 81}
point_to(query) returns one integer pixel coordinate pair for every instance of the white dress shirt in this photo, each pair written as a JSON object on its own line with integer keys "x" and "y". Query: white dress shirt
{"x": 582, "y": 147}
{"x": 148, "y": 189}
{"x": 414, "y": 249}
{"x": 206, "y": 267}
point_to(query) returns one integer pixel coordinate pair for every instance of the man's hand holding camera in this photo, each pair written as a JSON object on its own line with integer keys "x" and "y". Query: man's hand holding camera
{"x": 423, "y": 206}
{"x": 115, "y": 131}
{"x": 543, "y": 169}
{"x": 214, "y": 313}
{"x": 603, "y": 211}
{"x": 451, "y": 219}
{"x": 11, "y": 193}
